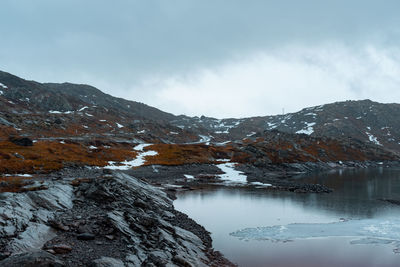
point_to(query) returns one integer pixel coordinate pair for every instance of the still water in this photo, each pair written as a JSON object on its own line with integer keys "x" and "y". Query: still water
{"x": 350, "y": 227}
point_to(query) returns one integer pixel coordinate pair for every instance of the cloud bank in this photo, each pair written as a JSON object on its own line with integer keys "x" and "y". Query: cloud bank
{"x": 289, "y": 78}
{"x": 213, "y": 57}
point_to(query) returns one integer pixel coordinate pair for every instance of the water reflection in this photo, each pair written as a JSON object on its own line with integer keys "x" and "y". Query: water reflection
{"x": 357, "y": 196}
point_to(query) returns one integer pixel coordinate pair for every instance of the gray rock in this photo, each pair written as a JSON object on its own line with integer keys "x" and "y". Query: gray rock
{"x": 86, "y": 236}
{"x": 32, "y": 259}
{"x": 107, "y": 262}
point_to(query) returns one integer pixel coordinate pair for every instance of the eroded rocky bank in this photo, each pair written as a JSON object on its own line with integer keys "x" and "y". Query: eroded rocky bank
{"x": 90, "y": 217}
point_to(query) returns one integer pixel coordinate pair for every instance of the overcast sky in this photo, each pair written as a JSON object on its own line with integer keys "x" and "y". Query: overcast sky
{"x": 221, "y": 58}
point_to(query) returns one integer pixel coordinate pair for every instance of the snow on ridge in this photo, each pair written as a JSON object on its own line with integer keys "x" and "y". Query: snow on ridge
{"x": 271, "y": 125}
{"x": 373, "y": 139}
{"x": 309, "y": 129}
{"x": 60, "y": 112}
{"x": 3, "y": 86}
{"x": 82, "y": 109}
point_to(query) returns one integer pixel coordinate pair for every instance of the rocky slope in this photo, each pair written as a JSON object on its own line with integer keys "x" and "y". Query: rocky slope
{"x": 61, "y": 205}
{"x": 99, "y": 219}
{"x": 69, "y": 110}
{"x": 367, "y": 121}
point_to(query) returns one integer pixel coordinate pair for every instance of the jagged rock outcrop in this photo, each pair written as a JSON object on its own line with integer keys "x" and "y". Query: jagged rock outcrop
{"x": 118, "y": 219}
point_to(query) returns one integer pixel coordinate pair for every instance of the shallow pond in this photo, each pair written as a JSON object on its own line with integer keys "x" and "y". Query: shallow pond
{"x": 350, "y": 227}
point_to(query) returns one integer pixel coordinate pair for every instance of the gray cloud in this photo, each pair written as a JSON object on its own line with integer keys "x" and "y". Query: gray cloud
{"x": 122, "y": 46}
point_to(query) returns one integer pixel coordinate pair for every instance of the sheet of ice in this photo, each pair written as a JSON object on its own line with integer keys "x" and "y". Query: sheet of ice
{"x": 231, "y": 175}
{"x": 370, "y": 231}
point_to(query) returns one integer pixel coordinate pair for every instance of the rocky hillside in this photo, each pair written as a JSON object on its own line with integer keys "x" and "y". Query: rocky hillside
{"x": 40, "y": 110}
{"x": 367, "y": 121}
{"x": 78, "y": 125}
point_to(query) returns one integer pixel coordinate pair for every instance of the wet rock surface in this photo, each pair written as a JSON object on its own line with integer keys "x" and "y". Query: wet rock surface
{"x": 106, "y": 220}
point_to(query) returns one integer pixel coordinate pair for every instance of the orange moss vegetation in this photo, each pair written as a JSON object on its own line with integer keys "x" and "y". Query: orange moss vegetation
{"x": 17, "y": 184}
{"x": 178, "y": 154}
{"x": 6, "y": 131}
{"x": 50, "y": 156}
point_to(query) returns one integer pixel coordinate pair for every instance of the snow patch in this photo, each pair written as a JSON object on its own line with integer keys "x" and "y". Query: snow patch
{"x": 82, "y": 109}
{"x": 308, "y": 129}
{"x": 261, "y": 184}
{"x": 140, "y": 147}
{"x": 3, "y": 86}
{"x": 373, "y": 139}
{"x": 119, "y": 125}
{"x": 126, "y": 165}
{"x": 18, "y": 175}
{"x": 189, "y": 177}
{"x": 231, "y": 175}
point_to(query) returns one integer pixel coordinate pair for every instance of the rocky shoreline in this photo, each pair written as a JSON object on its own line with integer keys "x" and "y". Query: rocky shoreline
{"x": 98, "y": 217}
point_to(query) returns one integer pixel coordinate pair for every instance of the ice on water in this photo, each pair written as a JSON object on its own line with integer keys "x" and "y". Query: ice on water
{"x": 365, "y": 231}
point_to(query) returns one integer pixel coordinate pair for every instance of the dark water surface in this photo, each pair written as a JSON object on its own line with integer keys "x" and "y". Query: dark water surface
{"x": 350, "y": 227}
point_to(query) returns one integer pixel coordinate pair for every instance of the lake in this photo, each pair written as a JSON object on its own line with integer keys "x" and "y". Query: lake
{"x": 259, "y": 227}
